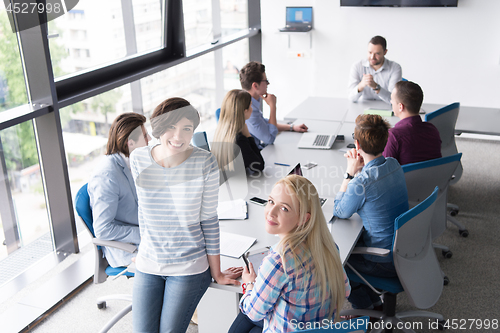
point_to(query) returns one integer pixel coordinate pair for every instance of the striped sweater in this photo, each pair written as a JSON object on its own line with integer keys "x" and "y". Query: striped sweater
{"x": 177, "y": 208}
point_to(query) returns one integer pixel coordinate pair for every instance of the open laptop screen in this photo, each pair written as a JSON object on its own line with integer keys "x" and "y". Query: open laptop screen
{"x": 298, "y": 15}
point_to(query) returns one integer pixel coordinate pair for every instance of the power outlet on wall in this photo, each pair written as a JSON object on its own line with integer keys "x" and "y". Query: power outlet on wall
{"x": 298, "y": 54}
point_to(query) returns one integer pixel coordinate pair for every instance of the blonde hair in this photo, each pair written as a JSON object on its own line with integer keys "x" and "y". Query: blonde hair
{"x": 316, "y": 238}
{"x": 231, "y": 122}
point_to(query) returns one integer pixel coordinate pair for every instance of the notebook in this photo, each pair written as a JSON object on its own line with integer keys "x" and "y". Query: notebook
{"x": 298, "y": 19}
{"x": 310, "y": 140}
{"x": 297, "y": 170}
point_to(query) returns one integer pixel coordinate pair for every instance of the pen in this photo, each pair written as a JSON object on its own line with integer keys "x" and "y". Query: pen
{"x": 281, "y": 164}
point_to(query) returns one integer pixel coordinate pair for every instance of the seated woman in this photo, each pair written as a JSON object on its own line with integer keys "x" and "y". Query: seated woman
{"x": 375, "y": 188}
{"x": 177, "y": 185}
{"x": 231, "y": 129}
{"x": 301, "y": 280}
{"x": 112, "y": 192}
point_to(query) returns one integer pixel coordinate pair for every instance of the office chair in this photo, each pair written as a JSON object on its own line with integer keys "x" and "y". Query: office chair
{"x": 217, "y": 114}
{"x": 102, "y": 269}
{"x": 200, "y": 140}
{"x": 356, "y": 325}
{"x": 417, "y": 267}
{"x": 421, "y": 177}
{"x": 445, "y": 120}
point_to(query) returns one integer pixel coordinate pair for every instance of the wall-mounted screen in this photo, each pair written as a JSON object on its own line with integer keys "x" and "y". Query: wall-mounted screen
{"x": 399, "y": 3}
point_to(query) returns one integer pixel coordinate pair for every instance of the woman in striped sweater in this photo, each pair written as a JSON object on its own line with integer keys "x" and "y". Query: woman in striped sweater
{"x": 177, "y": 187}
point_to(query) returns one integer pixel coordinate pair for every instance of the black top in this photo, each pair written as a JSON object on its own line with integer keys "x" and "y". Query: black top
{"x": 251, "y": 153}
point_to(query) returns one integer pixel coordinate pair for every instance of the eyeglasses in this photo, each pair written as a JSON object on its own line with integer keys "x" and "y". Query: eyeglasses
{"x": 353, "y": 136}
{"x": 266, "y": 81}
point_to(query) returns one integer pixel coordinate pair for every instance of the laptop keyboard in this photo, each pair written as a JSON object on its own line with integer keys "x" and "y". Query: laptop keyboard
{"x": 321, "y": 140}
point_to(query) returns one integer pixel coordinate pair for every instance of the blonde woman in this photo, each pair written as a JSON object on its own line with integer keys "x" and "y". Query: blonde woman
{"x": 232, "y": 129}
{"x": 302, "y": 279}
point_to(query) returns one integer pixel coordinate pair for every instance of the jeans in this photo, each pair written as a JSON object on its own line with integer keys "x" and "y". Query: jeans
{"x": 243, "y": 324}
{"x": 166, "y": 303}
{"x": 362, "y": 296}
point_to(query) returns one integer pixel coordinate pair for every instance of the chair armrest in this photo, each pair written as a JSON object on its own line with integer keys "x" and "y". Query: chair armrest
{"x": 131, "y": 248}
{"x": 371, "y": 250}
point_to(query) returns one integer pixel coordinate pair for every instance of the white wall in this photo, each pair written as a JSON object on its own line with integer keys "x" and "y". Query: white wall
{"x": 452, "y": 53}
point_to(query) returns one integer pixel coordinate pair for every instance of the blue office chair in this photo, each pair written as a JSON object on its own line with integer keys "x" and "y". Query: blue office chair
{"x": 422, "y": 177}
{"x": 418, "y": 271}
{"x": 200, "y": 140}
{"x": 102, "y": 268}
{"x": 445, "y": 120}
{"x": 217, "y": 114}
{"x": 356, "y": 325}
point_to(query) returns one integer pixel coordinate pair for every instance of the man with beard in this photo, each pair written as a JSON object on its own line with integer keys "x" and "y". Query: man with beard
{"x": 375, "y": 77}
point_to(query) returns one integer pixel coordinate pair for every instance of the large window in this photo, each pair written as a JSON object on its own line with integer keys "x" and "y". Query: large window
{"x": 97, "y": 32}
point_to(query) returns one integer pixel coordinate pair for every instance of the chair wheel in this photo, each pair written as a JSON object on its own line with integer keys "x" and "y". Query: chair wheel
{"x": 441, "y": 325}
{"x": 447, "y": 254}
{"x": 454, "y": 212}
{"x": 101, "y": 305}
{"x": 446, "y": 281}
{"x": 463, "y": 233}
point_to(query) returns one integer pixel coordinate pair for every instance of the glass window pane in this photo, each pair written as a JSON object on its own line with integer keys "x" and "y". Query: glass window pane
{"x": 234, "y": 16}
{"x": 93, "y": 33}
{"x": 234, "y": 57}
{"x": 197, "y": 22}
{"x": 193, "y": 80}
{"x": 85, "y": 133}
{"x": 26, "y": 203}
{"x": 12, "y": 84}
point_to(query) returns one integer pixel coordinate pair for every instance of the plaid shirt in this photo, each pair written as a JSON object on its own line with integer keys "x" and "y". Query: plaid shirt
{"x": 279, "y": 296}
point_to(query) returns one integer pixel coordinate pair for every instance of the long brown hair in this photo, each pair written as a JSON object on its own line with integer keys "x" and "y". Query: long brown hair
{"x": 125, "y": 127}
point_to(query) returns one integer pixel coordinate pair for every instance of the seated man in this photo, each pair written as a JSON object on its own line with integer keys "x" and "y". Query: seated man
{"x": 411, "y": 140}
{"x": 374, "y": 78}
{"x": 375, "y": 188}
{"x": 254, "y": 80}
{"x": 112, "y": 192}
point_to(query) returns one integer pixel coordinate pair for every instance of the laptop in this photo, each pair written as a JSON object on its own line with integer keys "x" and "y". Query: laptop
{"x": 298, "y": 19}
{"x": 323, "y": 140}
{"x": 297, "y": 170}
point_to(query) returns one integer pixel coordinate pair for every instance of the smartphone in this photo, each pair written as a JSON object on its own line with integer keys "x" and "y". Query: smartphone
{"x": 340, "y": 138}
{"x": 244, "y": 256}
{"x": 310, "y": 165}
{"x": 258, "y": 201}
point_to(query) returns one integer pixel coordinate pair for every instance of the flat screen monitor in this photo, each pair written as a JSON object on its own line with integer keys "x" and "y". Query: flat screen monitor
{"x": 399, "y": 3}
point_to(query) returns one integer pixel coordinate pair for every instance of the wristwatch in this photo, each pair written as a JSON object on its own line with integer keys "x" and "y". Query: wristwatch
{"x": 291, "y": 128}
{"x": 377, "y": 87}
{"x": 348, "y": 176}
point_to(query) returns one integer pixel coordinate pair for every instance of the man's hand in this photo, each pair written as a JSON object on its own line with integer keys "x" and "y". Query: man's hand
{"x": 270, "y": 100}
{"x": 300, "y": 128}
{"x": 367, "y": 81}
{"x": 355, "y": 161}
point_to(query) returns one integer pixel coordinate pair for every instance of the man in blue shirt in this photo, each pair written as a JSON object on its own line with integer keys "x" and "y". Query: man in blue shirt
{"x": 253, "y": 79}
{"x": 375, "y": 188}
